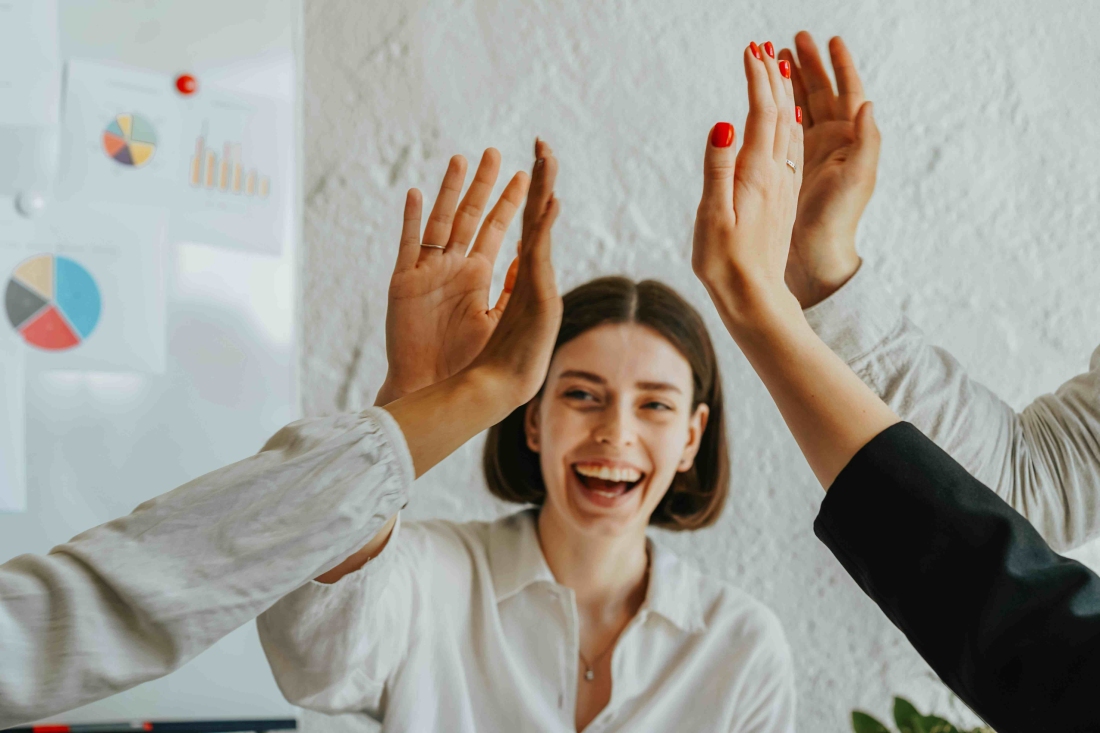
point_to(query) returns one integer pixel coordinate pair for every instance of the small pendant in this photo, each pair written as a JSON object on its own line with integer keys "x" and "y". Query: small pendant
{"x": 589, "y": 675}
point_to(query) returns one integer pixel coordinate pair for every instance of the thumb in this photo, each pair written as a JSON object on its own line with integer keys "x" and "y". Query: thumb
{"x": 868, "y": 139}
{"x": 718, "y": 166}
{"x": 509, "y": 285}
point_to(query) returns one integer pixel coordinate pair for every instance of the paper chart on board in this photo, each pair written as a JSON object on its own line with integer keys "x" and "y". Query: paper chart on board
{"x": 13, "y": 484}
{"x": 87, "y": 292}
{"x": 117, "y": 138}
{"x": 219, "y": 160}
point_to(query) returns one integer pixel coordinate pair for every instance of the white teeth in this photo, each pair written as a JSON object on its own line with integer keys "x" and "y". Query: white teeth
{"x": 606, "y": 473}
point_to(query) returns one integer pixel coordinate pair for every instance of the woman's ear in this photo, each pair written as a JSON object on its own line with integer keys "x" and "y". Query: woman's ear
{"x": 696, "y": 425}
{"x": 531, "y": 424}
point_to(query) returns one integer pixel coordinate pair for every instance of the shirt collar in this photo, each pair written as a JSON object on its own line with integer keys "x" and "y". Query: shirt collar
{"x": 516, "y": 561}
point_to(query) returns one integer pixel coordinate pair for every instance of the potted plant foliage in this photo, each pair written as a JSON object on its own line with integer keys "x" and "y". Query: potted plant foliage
{"x": 908, "y": 720}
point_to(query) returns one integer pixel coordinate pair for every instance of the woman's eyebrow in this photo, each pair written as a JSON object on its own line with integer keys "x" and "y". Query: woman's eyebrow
{"x": 588, "y": 376}
{"x": 658, "y": 387}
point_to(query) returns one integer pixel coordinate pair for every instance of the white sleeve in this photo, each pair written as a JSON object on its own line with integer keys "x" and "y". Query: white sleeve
{"x": 133, "y": 599}
{"x": 769, "y": 698}
{"x": 333, "y": 647}
{"x": 1043, "y": 461}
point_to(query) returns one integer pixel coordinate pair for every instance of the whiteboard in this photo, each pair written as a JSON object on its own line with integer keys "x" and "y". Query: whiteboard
{"x": 98, "y": 443}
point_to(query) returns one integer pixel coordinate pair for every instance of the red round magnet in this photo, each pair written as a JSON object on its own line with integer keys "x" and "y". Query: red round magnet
{"x": 186, "y": 84}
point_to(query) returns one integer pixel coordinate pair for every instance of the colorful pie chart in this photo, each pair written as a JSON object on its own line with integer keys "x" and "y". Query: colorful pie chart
{"x": 130, "y": 139}
{"x": 52, "y": 302}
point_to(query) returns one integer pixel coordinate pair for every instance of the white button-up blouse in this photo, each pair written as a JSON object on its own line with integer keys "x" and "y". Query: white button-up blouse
{"x": 462, "y": 627}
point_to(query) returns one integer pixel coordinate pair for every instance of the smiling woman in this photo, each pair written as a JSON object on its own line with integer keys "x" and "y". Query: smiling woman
{"x": 639, "y": 353}
{"x": 563, "y": 616}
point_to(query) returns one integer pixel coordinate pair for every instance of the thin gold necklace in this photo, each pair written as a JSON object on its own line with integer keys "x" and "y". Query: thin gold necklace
{"x": 589, "y": 673}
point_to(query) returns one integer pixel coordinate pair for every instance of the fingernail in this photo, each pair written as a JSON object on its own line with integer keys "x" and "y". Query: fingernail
{"x": 538, "y": 163}
{"x": 798, "y": 114}
{"x": 755, "y": 49}
{"x": 769, "y": 49}
{"x": 785, "y": 69}
{"x": 722, "y": 136}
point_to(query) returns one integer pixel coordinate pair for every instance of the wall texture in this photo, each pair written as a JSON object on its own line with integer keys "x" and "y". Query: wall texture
{"x": 985, "y": 224}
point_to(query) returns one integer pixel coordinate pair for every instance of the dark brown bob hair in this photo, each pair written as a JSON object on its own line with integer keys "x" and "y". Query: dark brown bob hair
{"x": 697, "y": 495}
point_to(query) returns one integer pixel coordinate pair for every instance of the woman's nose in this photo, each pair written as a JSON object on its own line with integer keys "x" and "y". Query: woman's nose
{"x": 615, "y": 428}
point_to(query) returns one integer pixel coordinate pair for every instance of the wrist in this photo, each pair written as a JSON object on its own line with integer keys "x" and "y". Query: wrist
{"x": 755, "y": 307}
{"x": 387, "y": 393}
{"x": 822, "y": 262}
{"x": 493, "y": 388}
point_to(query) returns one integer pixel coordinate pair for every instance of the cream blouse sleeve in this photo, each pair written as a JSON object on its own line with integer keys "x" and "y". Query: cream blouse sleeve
{"x": 332, "y": 647}
{"x": 1044, "y": 460}
{"x": 135, "y": 598}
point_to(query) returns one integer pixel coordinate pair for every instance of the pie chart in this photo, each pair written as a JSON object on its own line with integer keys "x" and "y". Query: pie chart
{"x": 52, "y": 302}
{"x": 130, "y": 139}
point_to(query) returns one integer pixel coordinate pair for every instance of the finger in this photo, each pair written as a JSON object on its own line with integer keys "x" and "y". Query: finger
{"x": 438, "y": 230}
{"x": 543, "y": 175}
{"x": 796, "y": 154}
{"x": 509, "y": 285}
{"x": 473, "y": 203}
{"x": 798, "y": 88}
{"x": 849, "y": 87}
{"x": 760, "y": 124}
{"x": 500, "y": 217}
{"x": 779, "y": 73}
{"x": 535, "y": 252}
{"x": 719, "y": 163}
{"x": 868, "y": 139}
{"x": 409, "y": 249}
{"x": 820, "y": 100}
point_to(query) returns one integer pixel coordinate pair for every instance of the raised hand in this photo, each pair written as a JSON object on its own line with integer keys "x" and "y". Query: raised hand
{"x": 518, "y": 353}
{"x": 511, "y": 367}
{"x": 439, "y": 318}
{"x": 744, "y": 220}
{"x": 842, "y": 147}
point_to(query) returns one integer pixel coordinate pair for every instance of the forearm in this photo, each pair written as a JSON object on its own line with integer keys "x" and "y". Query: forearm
{"x": 1043, "y": 461}
{"x": 438, "y": 419}
{"x": 133, "y": 599}
{"x": 435, "y": 421}
{"x": 830, "y": 412}
{"x": 1012, "y": 627}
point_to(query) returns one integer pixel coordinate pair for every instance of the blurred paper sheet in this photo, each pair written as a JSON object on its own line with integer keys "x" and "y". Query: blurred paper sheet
{"x": 30, "y": 94}
{"x": 13, "y": 490}
{"x": 218, "y": 160}
{"x": 30, "y": 78}
{"x": 87, "y": 291}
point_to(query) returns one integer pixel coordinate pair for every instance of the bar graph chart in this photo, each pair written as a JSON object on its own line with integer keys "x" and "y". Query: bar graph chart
{"x": 227, "y": 172}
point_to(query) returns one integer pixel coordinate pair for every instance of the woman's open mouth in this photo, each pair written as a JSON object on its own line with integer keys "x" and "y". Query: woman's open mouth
{"x": 606, "y": 485}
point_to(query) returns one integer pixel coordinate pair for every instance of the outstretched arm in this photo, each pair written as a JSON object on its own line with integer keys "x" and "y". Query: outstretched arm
{"x": 1045, "y": 460}
{"x": 1013, "y": 628}
{"x": 135, "y": 598}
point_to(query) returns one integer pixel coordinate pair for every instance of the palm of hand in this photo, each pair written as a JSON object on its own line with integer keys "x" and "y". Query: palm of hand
{"x": 444, "y": 300}
{"x": 831, "y": 174}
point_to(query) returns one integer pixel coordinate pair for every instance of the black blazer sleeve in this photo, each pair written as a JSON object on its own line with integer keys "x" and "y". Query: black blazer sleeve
{"x": 1010, "y": 626}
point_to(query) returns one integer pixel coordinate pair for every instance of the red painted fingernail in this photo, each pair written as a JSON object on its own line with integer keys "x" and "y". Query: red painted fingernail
{"x": 769, "y": 49}
{"x": 785, "y": 69}
{"x": 722, "y": 136}
{"x": 798, "y": 114}
{"x": 755, "y": 49}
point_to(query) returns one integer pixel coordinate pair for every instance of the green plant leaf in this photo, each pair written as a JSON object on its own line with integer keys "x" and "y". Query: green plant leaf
{"x": 932, "y": 724}
{"x": 864, "y": 723}
{"x": 907, "y": 718}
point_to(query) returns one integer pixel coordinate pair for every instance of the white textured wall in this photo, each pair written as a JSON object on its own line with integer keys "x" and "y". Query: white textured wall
{"x": 985, "y": 222}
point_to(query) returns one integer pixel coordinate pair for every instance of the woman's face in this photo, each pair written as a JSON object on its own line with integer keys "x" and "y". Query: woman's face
{"x": 613, "y": 426}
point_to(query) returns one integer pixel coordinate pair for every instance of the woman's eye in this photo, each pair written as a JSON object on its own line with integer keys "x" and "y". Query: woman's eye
{"x": 657, "y": 406}
{"x": 579, "y": 394}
